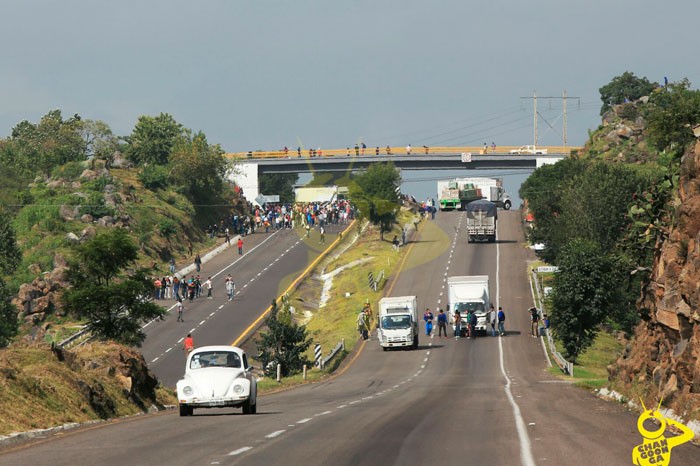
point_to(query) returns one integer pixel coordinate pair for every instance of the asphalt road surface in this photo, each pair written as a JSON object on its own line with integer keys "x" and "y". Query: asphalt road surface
{"x": 483, "y": 401}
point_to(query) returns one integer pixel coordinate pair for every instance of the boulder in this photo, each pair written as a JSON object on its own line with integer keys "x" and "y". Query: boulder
{"x": 88, "y": 174}
{"x": 86, "y": 218}
{"x": 68, "y": 212}
{"x": 72, "y": 237}
{"x": 106, "y": 221}
{"x": 88, "y": 233}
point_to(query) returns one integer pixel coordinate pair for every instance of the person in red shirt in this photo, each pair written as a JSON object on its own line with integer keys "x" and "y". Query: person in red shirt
{"x": 188, "y": 344}
{"x": 240, "y": 246}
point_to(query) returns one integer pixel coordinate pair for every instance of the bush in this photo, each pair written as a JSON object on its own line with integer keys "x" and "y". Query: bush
{"x": 69, "y": 171}
{"x": 95, "y": 206}
{"x": 167, "y": 227}
{"x": 154, "y": 177}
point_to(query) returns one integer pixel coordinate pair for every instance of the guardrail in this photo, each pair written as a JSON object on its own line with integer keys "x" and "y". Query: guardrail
{"x": 566, "y": 366}
{"x": 71, "y": 340}
{"x": 336, "y": 349}
{"x": 437, "y": 150}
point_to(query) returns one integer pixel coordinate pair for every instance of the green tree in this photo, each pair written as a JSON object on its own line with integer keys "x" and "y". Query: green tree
{"x": 281, "y": 184}
{"x": 671, "y": 116}
{"x": 107, "y": 290}
{"x": 624, "y": 88}
{"x": 198, "y": 169}
{"x": 376, "y": 193}
{"x": 10, "y": 257}
{"x": 153, "y": 139}
{"x": 585, "y": 293}
{"x": 98, "y": 138}
{"x": 38, "y": 148}
{"x": 284, "y": 342}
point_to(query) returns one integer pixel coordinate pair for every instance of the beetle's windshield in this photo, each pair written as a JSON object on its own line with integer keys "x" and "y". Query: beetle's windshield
{"x": 215, "y": 359}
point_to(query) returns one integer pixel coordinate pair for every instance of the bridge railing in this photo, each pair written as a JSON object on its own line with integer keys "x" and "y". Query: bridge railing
{"x": 420, "y": 150}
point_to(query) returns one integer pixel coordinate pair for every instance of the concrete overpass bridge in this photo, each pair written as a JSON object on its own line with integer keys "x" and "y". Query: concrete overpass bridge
{"x": 249, "y": 167}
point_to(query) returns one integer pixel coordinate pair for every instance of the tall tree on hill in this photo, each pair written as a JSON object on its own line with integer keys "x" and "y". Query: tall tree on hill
{"x": 624, "y": 88}
{"x": 153, "y": 139}
{"x": 10, "y": 256}
{"x": 376, "y": 193}
{"x": 108, "y": 290}
{"x": 38, "y": 148}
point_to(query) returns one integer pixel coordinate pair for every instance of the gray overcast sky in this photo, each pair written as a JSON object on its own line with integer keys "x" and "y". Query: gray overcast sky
{"x": 262, "y": 74}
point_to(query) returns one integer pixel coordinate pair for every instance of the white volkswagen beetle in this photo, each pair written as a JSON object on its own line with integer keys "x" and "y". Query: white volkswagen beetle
{"x": 217, "y": 377}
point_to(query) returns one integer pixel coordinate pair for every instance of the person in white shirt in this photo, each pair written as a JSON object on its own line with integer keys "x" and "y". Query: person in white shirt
{"x": 208, "y": 285}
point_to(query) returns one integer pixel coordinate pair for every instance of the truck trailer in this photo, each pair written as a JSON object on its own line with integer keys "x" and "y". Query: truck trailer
{"x": 398, "y": 322}
{"x": 482, "y": 217}
{"x": 469, "y": 293}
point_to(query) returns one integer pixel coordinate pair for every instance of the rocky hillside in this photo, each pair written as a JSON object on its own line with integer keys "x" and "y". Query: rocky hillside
{"x": 663, "y": 360}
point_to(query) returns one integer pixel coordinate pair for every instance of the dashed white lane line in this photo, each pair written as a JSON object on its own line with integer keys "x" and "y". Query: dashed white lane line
{"x": 180, "y": 340}
{"x": 192, "y": 330}
{"x": 425, "y": 360}
{"x": 304, "y": 421}
{"x": 427, "y": 353}
{"x": 354, "y": 402}
{"x": 169, "y": 349}
{"x": 341, "y": 407}
{"x": 245, "y": 286}
{"x": 239, "y": 451}
{"x": 275, "y": 433}
{"x": 323, "y": 413}
{"x": 210, "y": 315}
{"x": 155, "y": 359}
{"x": 422, "y": 366}
{"x": 202, "y": 322}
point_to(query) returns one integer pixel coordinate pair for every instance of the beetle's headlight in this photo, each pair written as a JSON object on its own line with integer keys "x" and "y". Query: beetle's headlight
{"x": 187, "y": 390}
{"x": 237, "y": 389}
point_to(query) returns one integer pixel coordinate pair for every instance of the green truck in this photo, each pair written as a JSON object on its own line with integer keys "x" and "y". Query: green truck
{"x": 455, "y": 194}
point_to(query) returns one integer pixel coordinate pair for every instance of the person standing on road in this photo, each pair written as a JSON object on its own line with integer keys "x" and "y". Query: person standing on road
{"x": 188, "y": 344}
{"x": 492, "y": 320}
{"x": 230, "y": 287}
{"x": 472, "y": 324}
{"x": 363, "y": 324}
{"x": 180, "y": 310}
{"x": 240, "y": 246}
{"x": 172, "y": 265}
{"x": 534, "y": 321}
{"x": 198, "y": 262}
{"x": 442, "y": 323}
{"x": 501, "y": 322}
{"x": 428, "y": 318}
{"x": 322, "y": 232}
{"x": 208, "y": 285}
{"x": 458, "y": 325}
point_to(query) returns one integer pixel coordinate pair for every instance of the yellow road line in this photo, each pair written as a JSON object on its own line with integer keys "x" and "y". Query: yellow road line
{"x": 323, "y": 254}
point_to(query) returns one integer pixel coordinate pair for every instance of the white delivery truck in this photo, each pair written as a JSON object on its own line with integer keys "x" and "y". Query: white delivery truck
{"x": 469, "y": 293}
{"x": 398, "y": 322}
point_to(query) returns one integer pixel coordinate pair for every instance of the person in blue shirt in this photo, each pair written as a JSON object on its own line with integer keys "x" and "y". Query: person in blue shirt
{"x": 442, "y": 323}
{"x": 428, "y": 318}
{"x": 501, "y": 322}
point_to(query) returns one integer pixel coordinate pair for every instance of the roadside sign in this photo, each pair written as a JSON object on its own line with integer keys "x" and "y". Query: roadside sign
{"x": 547, "y": 269}
{"x": 466, "y": 157}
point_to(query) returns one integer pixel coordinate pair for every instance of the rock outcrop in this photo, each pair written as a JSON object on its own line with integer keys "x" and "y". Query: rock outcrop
{"x": 664, "y": 358}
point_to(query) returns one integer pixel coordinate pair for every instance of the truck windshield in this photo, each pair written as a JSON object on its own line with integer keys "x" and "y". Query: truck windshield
{"x": 464, "y": 307}
{"x": 396, "y": 322}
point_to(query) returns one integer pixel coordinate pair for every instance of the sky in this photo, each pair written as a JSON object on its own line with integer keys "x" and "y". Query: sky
{"x": 264, "y": 74}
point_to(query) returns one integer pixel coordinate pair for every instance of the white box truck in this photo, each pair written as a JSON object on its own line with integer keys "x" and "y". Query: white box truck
{"x": 398, "y": 322}
{"x": 469, "y": 293}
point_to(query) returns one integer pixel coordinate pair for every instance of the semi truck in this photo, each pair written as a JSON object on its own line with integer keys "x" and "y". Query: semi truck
{"x": 469, "y": 293}
{"x": 482, "y": 217}
{"x": 319, "y": 193}
{"x": 457, "y": 193}
{"x": 492, "y": 190}
{"x": 398, "y": 322}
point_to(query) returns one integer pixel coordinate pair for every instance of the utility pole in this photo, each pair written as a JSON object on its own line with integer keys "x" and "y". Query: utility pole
{"x": 564, "y": 97}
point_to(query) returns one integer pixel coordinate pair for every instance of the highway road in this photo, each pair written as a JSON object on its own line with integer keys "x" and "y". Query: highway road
{"x": 483, "y": 401}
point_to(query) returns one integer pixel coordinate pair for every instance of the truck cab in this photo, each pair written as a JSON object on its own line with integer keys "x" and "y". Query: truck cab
{"x": 398, "y": 322}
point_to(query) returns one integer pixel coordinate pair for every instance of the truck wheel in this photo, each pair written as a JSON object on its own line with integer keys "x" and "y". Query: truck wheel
{"x": 385, "y": 348}
{"x": 415, "y": 342}
{"x": 506, "y": 205}
{"x": 248, "y": 408}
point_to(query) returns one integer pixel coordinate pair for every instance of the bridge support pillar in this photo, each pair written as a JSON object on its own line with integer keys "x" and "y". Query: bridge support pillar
{"x": 246, "y": 176}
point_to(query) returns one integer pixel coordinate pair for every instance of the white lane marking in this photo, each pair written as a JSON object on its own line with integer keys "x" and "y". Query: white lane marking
{"x": 245, "y": 286}
{"x": 202, "y": 322}
{"x": 191, "y": 330}
{"x": 531, "y": 423}
{"x": 356, "y": 401}
{"x": 169, "y": 349}
{"x": 275, "y": 433}
{"x": 155, "y": 360}
{"x": 239, "y": 451}
{"x": 423, "y": 365}
{"x": 210, "y": 315}
{"x": 367, "y": 397}
{"x": 396, "y": 386}
{"x": 180, "y": 340}
{"x": 323, "y": 413}
{"x": 221, "y": 307}
{"x": 147, "y": 324}
{"x": 260, "y": 273}
{"x": 425, "y": 360}
{"x": 290, "y": 425}
{"x": 427, "y": 353}
{"x": 526, "y": 457}
{"x": 303, "y": 421}
{"x": 430, "y": 344}
{"x": 341, "y": 406}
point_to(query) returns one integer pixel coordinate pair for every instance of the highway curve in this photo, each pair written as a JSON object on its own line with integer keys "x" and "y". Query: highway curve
{"x": 487, "y": 401}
